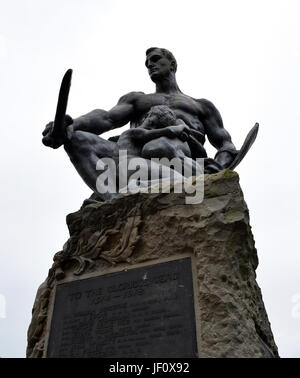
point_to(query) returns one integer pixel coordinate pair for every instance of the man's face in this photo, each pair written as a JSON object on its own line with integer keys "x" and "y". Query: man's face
{"x": 158, "y": 65}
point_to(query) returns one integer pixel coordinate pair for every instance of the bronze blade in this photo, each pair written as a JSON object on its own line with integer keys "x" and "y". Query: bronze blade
{"x": 250, "y": 138}
{"x": 62, "y": 102}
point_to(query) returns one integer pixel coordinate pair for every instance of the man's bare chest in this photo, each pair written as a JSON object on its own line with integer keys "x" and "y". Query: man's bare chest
{"x": 177, "y": 102}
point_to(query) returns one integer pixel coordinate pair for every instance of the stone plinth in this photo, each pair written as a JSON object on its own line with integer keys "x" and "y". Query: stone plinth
{"x": 139, "y": 230}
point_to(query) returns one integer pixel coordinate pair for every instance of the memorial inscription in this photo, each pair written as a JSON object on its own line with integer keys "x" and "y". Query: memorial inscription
{"x": 141, "y": 312}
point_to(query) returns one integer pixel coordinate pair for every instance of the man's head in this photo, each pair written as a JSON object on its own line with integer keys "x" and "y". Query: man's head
{"x": 160, "y": 63}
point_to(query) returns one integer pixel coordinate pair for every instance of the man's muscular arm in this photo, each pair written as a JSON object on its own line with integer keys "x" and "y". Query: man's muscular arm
{"x": 99, "y": 121}
{"x": 217, "y": 135}
{"x": 144, "y": 135}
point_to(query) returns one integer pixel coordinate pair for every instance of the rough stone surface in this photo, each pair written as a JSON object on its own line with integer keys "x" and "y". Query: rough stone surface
{"x": 141, "y": 227}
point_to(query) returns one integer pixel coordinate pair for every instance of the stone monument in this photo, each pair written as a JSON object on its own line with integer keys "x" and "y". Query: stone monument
{"x": 156, "y": 265}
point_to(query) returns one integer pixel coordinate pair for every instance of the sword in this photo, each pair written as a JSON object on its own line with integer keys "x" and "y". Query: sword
{"x": 250, "y": 138}
{"x": 55, "y": 137}
{"x": 62, "y": 102}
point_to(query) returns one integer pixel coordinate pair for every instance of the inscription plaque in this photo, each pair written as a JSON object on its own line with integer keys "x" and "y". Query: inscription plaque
{"x": 141, "y": 312}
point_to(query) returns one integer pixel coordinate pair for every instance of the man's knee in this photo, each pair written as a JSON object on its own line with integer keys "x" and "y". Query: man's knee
{"x": 85, "y": 143}
{"x": 159, "y": 148}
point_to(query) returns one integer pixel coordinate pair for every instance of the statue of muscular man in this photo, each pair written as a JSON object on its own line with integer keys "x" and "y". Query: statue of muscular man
{"x": 166, "y": 123}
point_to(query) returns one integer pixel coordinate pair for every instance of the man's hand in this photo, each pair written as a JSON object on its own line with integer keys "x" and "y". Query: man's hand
{"x": 48, "y": 128}
{"x": 54, "y": 142}
{"x": 181, "y": 132}
{"x": 224, "y": 158}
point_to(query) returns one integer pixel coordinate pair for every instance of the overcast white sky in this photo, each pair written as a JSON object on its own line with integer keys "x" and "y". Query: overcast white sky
{"x": 242, "y": 55}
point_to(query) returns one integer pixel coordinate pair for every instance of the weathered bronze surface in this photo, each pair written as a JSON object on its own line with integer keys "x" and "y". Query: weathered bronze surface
{"x": 164, "y": 124}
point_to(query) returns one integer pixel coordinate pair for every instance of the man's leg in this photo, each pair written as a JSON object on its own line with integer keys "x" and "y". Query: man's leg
{"x": 84, "y": 150}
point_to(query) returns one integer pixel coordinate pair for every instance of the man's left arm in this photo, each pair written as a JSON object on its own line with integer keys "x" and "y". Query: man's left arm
{"x": 217, "y": 135}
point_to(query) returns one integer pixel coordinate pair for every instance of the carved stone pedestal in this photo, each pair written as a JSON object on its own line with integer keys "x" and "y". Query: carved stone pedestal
{"x": 147, "y": 275}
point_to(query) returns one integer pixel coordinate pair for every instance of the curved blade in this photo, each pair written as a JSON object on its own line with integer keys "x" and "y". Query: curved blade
{"x": 62, "y": 103}
{"x": 250, "y": 138}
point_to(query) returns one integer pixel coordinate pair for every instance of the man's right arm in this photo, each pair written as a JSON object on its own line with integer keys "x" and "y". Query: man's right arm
{"x": 99, "y": 121}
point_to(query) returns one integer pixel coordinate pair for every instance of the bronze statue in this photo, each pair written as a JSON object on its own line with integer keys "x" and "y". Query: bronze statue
{"x": 166, "y": 123}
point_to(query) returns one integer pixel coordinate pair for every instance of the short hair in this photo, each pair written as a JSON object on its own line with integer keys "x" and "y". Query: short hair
{"x": 163, "y": 116}
{"x": 166, "y": 53}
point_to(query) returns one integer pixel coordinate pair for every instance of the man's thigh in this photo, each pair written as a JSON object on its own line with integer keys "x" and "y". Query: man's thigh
{"x": 82, "y": 142}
